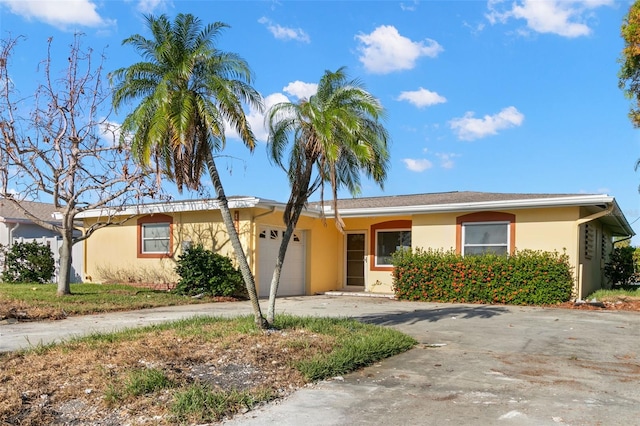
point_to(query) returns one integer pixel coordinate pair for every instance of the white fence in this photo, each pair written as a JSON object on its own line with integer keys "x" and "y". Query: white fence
{"x": 77, "y": 254}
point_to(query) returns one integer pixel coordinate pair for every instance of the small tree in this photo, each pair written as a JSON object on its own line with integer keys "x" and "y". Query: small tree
{"x": 629, "y": 75}
{"x": 620, "y": 268}
{"x": 29, "y": 263}
{"x": 53, "y": 147}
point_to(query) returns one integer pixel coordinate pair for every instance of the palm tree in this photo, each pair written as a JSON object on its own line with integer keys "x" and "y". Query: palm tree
{"x": 332, "y": 138}
{"x": 186, "y": 90}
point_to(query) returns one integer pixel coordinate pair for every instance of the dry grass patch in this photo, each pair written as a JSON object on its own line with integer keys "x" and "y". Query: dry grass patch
{"x": 194, "y": 371}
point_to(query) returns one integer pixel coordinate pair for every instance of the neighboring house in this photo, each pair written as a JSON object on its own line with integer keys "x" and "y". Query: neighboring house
{"x": 15, "y": 227}
{"x": 320, "y": 258}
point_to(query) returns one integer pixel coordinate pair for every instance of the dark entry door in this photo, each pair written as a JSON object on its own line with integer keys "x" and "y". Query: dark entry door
{"x": 355, "y": 258}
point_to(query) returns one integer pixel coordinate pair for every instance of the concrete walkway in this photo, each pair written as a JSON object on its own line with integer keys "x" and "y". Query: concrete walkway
{"x": 475, "y": 365}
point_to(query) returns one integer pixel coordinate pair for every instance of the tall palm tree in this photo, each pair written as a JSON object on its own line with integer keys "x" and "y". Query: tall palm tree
{"x": 332, "y": 138}
{"x": 186, "y": 90}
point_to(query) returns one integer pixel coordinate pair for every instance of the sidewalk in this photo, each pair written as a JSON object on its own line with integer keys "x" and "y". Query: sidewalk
{"x": 20, "y": 335}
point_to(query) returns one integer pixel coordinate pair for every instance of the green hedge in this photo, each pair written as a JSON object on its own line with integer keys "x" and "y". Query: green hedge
{"x": 525, "y": 278}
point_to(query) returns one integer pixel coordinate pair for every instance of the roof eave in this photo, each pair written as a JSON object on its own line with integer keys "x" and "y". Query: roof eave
{"x": 477, "y": 206}
{"x": 173, "y": 207}
{"x": 627, "y": 230}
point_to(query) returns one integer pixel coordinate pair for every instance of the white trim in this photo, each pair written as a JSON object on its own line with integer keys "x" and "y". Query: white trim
{"x": 476, "y": 206}
{"x": 179, "y": 206}
{"x": 248, "y": 202}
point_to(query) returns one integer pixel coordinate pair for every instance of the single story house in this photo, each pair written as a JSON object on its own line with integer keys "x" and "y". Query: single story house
{"x": 320, "y": 258}
{"x": 15, "y": 227}
{"x": 14, "y": 224}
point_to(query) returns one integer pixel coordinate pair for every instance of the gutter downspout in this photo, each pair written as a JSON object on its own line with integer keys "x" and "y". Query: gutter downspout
{"x": 622, "y": 240}
{"x": 579, "y": 222}
{"x": 273, "y": 209}
{"x": 16, "y": 226}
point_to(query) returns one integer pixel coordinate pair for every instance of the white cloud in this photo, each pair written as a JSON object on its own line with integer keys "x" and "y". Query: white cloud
{"x": 446, "y": 159}
{"x": 150, "y": 6}
{"x": 256, "y": 118}
{"x": 300, "y": 89}
{"x": 285, "y": 33}
{"x": 59, "y": 13}
{"x": 422, "y": 98}
{"x": 385, "y": 50}
{"x": 567, "y": 18}
{"x": 409, "y": 7}
{"x": 110, "y": 132}
{"x": 470, "y": 128}
{"x": 418, "y": 164}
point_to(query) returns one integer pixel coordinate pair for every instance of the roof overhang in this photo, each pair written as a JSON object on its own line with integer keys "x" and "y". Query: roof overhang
{"x": 23, "y": 221}
{"x": 587, "y": 200}
{"x": 593, "y": 203}
{"x": 615, "y": 219}
{"x": 180, "y": 206}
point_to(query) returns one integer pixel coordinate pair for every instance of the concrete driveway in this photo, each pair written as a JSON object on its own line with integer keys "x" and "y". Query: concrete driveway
{"x": 482, "y": 365}
{"x": 475, "y": 365}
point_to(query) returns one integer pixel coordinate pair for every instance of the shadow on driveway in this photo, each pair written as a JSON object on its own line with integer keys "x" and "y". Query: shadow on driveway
{"x": 433, "y": 315}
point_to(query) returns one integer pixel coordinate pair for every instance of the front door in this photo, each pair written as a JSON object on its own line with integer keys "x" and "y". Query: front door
{"x": 355, "y": 255}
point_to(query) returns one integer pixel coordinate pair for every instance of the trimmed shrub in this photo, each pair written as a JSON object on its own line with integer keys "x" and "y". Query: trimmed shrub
{"x": 28, "y": 263}
{"x": 525, "y": 278}
{"x": 203, "y": 272}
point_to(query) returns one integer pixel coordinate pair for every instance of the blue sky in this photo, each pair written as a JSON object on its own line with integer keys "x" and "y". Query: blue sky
{"x": 497, "y": 96}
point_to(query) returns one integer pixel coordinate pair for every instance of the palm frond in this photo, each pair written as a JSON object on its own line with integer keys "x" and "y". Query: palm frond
{"x": 185, "y": 89}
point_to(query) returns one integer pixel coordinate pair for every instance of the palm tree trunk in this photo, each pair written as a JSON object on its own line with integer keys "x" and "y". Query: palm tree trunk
{"x": 275, "y": 280}
{"x": 247, "y": 275}
{"x": 297, "y": 200}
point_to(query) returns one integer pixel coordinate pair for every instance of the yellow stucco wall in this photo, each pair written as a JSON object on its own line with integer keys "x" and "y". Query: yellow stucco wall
{"x": 111, "y": 255}
{"x": 120, "y": 259}
{"x": 206, "y": 228}
{"x": 536, "y": 229}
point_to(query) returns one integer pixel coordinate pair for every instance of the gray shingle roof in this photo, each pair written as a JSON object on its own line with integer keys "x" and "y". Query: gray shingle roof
{"x": 438, "y": 198}
{"x": 10, "y": 213}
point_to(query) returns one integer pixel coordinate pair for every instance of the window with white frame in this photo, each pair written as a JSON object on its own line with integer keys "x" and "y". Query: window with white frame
{"x": 485, "y": 237}
{"x": 388, "y": 241}
{"x": 155, "y": 238}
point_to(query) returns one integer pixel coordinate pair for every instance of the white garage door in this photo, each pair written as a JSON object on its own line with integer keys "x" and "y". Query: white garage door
{"x": 292, "y": 276}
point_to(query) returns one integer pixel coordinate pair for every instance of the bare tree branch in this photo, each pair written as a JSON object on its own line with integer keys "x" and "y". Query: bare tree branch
{"x": 54, "y": 149}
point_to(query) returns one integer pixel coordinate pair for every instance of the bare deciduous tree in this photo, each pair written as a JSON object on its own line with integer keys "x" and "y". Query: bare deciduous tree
{"x": 58, "y": 146}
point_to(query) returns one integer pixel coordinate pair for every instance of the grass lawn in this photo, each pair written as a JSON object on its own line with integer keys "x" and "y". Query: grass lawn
{"x": 39, "y": 301}
{"x": 192, "y": 371}
{"x": 631, "y": 293}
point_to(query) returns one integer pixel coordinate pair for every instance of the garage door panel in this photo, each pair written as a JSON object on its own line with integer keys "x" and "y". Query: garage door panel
{"x": 292, "y": 275}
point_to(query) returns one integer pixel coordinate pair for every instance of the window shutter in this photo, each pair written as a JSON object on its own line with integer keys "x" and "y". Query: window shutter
{"x": 589, "y": 241}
